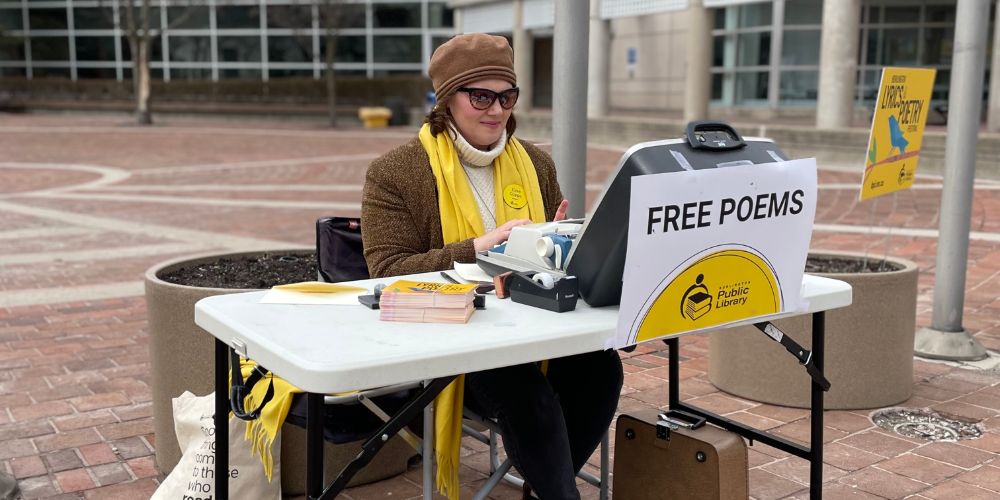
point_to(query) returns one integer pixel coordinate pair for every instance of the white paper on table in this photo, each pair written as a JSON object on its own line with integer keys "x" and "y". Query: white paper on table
{"x": 472, "y": 273}
{"x": 277, "y": 296}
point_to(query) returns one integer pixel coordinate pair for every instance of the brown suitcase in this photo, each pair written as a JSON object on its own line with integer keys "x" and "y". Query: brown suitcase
{"x": 677, "y": 462}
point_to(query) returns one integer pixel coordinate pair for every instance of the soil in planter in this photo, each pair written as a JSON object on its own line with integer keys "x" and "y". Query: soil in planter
{"x": 849, "y": 265}
{"x": 252, "y": 271}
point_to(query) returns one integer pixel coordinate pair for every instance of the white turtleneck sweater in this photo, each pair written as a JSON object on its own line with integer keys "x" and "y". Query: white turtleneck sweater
{"x": 478, "y": 165}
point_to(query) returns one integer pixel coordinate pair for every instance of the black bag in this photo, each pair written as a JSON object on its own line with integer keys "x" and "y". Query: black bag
{"x": 339, "y": 251}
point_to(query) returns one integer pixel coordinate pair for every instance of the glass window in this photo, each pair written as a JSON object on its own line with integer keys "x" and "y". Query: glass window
{"x": 754, "y": 49}
{"x": 50, "y": 72}
{"x": 155, "y": 52}
{"x": 803, "y": 12}
{"x": 290, "y": 48}
{"x": 902, "y": 14}
{"x": 14, "y": 72}
{"x": 154, "y": 17}
{"x": 800, "y": 47}
{"x": 397, "y": 49}
{"x": 190, "y": 49}
{"x": 339, "y": 15}
{"x": 238, "y": 48}
{"x": 12, "y": 50}
{"x": 50, "y": 48}
{"x": 440, "y": 16}
{"x": 387, "y": 15}
{"x": 47, "y": 19}
{"x": 940, "y": 14}
{"x": 437, "y": 41}
{"x": 719, "y": 51}
{"x": 874, "y": 15}
{"x": 899, "y": 47}
{"x": 758, "y": 14}
{"x": 871, "y": 49}
{"x": 720, "y": 19}
{"x": 941, "y": 82}
{"x": 240, "y": 74}
{"x": 102, "y": 73}
{"x": 10, "y": 19}
{"x": 190, "y": 73}
{"x": 869, "y": 86}
{"x": 392, "y": 72}
{"x": 717, "y": 80}
{"x": 290, "y": 73}
{"x": 349, "y": 49}
{"x": 751, "y": 87}
{"x": 237, "y": 16}
{"x": 193, "y": 17}
{"x": 95, "y": 48}
{"x": 798, "y": 87}
{"x": 89, "y": 18}
{"x": 938, "y": 45}
{"x": 289, "y": 16}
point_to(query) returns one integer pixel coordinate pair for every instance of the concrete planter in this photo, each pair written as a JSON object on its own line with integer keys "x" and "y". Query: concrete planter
{"x": 182, "y": 357}
{"x": 869, "y": 347}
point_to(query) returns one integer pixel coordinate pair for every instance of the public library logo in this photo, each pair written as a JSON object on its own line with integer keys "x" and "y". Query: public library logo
{"x": 718, "y": 286}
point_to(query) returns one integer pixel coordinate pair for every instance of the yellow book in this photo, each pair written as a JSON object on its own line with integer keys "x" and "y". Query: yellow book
{"x": 416, "y": 294}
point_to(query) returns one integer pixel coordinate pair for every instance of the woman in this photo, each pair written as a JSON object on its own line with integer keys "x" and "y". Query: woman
{"x": 459, "y": 188}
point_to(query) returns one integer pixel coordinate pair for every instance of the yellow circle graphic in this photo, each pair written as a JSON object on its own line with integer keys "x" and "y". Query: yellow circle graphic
{"x": 514, "y": 196}
{"x": 725, "y": 286}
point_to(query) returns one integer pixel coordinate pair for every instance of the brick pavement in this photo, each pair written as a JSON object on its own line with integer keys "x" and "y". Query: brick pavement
{"x": 89, "y": 202}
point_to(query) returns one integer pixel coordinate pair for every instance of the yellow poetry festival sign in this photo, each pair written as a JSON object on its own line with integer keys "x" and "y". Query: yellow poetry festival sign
{"x": 897, "y": 130}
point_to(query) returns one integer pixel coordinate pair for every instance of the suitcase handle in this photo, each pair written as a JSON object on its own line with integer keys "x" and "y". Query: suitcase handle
{"x": 682, "y": 418}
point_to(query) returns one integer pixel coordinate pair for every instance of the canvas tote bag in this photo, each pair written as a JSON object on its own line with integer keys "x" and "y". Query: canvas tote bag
{"x": 194, "y": 476}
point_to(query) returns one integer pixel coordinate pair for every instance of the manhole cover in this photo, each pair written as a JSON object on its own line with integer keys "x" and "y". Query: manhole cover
{"x": 925, "y": 424}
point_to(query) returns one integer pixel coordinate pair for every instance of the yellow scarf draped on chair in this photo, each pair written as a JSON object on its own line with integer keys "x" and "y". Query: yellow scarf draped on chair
{"x": 517, "y": 196}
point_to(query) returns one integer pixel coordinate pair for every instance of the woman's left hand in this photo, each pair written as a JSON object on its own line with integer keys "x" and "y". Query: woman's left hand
{"x": 561, "y": 211}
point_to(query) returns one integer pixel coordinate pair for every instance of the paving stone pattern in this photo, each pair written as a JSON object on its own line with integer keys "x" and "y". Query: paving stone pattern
{"x": 87, "y": 203}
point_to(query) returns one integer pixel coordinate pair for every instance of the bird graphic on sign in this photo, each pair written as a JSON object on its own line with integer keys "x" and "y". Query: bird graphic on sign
{"x": 896, "y": 139}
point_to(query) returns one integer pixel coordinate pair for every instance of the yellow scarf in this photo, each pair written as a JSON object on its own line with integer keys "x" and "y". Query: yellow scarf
{"x": 262, "y": 432}
{"x": 518, "y": 196}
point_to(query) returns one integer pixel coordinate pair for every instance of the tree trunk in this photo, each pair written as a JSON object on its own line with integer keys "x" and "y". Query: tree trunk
{"x": 140, "y": 75}
{"x": 331, "y": 83}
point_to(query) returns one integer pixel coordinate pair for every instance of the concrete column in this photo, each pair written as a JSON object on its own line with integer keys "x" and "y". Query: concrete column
{"x": 524, "y": 49}
{"x": 947, "y": 338}
{"x": 598, "y": 67}
{"x": 698, "y": 79}
{"x": 838, "y": 63}
{"x": 993, "y": 117}
{"x": 569, "y": 102}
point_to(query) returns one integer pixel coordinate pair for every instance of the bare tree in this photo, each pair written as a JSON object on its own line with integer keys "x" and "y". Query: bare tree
{"x": 137, "y": 28}
{"x": 331, "y": 19}
{"x": 332, "y": 16}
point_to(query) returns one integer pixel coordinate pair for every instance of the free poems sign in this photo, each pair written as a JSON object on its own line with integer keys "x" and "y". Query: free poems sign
{"x": 711, "y": 247}
{"x": 897, "y": 130}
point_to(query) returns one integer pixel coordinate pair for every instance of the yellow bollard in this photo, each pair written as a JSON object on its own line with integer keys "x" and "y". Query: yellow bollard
{"x": 374, "y": 117}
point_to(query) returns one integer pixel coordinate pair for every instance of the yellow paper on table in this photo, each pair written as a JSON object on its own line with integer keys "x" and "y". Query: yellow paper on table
{"x": 897, "y": 130}
{"x": 313, "y": 292}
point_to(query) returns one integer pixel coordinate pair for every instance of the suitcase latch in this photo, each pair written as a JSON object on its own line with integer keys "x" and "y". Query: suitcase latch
{"x": 664, "y": 427}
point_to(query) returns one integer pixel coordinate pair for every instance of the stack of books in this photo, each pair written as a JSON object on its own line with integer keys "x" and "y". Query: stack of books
{"x": 427, "y": 302}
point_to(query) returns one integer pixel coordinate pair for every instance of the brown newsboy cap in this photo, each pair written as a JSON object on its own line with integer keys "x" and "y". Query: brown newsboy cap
{"x": 470, "y": 57}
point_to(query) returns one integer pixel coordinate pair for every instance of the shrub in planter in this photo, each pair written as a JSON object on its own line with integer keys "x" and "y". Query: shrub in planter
{"x": 869, "y": 344}
{"x": 182, "y": 355}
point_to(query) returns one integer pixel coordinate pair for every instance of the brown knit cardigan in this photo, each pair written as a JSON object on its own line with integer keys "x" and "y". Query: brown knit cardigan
{"x": 400, "y": 217}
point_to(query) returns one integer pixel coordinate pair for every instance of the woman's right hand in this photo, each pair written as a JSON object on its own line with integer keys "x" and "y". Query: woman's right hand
{"x": 498, "y": 235}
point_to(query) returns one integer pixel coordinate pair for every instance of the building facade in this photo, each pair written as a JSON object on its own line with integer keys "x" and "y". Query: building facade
{"x": 765, "y": 54}
{"x": 221, "y": 39}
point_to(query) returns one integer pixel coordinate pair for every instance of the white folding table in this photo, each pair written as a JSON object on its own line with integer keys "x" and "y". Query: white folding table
{"x": 327, "y": 349}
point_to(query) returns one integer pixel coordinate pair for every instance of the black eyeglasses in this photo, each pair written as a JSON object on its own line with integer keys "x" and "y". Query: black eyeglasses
{"x": 482, "y": 99}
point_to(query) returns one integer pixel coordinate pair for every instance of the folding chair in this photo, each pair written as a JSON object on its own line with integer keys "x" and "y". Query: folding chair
{"x": 340, "y": 257}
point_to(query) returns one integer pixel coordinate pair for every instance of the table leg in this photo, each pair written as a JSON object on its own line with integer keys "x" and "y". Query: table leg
{"x": 428, "y": 452}
{"x": 816, "y": 409}
{"x": 314, "y": 445}
{"x": 221, "y": 420}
